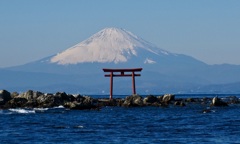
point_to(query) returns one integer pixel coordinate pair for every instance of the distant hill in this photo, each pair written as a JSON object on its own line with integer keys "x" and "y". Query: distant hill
{"x": 79, "y": 68}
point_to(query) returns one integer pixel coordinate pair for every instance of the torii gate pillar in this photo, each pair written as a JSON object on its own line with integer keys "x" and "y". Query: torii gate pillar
{"x": 122, "y": 73}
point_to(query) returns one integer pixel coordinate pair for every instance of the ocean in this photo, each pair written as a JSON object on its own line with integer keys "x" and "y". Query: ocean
{"x": 172, "y": 124}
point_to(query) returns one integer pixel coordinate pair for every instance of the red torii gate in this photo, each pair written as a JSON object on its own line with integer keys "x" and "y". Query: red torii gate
{"x": 121, "y": 73}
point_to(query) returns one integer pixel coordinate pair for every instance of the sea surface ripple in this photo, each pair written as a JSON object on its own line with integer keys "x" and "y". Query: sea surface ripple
{"x": 171, "y": 124}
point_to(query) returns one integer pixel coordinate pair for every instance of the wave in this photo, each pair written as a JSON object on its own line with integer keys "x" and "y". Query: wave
{"x": 27, "y": 111}
{"x": 22, "y": 111}
{"x": 40, "y": 109}
{"x": 59, "y": 107}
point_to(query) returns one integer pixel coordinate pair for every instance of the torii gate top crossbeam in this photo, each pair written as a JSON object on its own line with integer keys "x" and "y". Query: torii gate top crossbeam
{"x": 122, "y": 70}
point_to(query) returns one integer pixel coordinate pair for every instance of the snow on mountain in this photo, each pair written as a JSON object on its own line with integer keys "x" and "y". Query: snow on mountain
{"x": 108, "y": 45}
{"x": 149, "y": 61}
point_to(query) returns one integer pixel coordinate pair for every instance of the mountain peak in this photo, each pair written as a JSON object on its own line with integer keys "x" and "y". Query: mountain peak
{"x": 108, "y": 45}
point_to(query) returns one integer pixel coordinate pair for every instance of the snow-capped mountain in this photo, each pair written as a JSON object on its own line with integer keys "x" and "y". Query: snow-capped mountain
{"x": 108, "y": 45}
{"x": 79, "y": 68}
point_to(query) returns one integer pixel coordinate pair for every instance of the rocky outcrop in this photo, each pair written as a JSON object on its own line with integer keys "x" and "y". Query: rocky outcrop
{"x": 132, "y": 101}
{"x": 167, "y": 98}
{"x": 149, "y": 100}
{"x": 232, "y": 100}
{"x": 5, "y": 96}
{"x": 218, "y": 102}
{"x": 32, "y": 99}
{"x": 102, "y": 102}
{"x": 16, "y": 103}
{"x": 190, "y": 100}
{"x": 179, "y": 103}
{"x": 81, "y": 102}
{"x": 49, "y": 100}
{"x": 62, "y": 96}
{"x": 30, "y": 95}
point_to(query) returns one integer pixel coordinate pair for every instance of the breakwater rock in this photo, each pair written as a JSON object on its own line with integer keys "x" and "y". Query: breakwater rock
{"x": 35, "y": 99}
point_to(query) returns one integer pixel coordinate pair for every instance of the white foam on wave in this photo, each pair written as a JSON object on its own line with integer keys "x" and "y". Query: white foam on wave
{"x": 59, "y": 107}
{"x": 22, "y": 111}
{"x": 40, "y": 109}
{"x": 79, "y": 126}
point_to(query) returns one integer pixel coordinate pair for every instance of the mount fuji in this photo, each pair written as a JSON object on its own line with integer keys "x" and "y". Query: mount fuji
{"x": 108, "y": 45}
{"x": 79, "y": 68}
{"x": 112, "y": 47}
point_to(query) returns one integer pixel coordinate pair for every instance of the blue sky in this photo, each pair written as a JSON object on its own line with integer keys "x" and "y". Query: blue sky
{"x": 208, "y": 30}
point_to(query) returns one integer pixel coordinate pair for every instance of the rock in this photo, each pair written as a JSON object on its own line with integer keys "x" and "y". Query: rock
{"x": 132, "y": 101}
{"x": 64, "y": 97}
{"x": 85, "y": 103}
{"x": 5, "y": 96}
{"x": 157, "y": 104}
{"x": 160, "y": 98}
{"x": 71, "y": 105}
{"x": 79, "y": 98}
{"x": 190, "y": 100}
{"x": 88, "y": 100}
{"x": 14, "y": 94}
{"x": 78, "y": 106}
{"x": 233, "y": 100}
{"x": 218, "y": 102}
{"x": 108, "y": 102}
{"x": 81, "y": 103}
{"x": 179, "y": 103}
{"x": 17, "y": 102}
{"x": 168, "y": 97}
{"x": 150, "y": 100}
{"x": 49, "y": 100}
{"x": 206, "y": 100}
{"x": 30, "y": 95}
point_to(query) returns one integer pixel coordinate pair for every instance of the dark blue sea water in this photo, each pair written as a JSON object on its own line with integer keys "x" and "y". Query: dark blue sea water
{"x": 171, "y": 124}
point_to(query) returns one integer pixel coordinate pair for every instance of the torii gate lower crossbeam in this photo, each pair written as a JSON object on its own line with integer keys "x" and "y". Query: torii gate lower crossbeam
{"x": 122, "y": 73}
